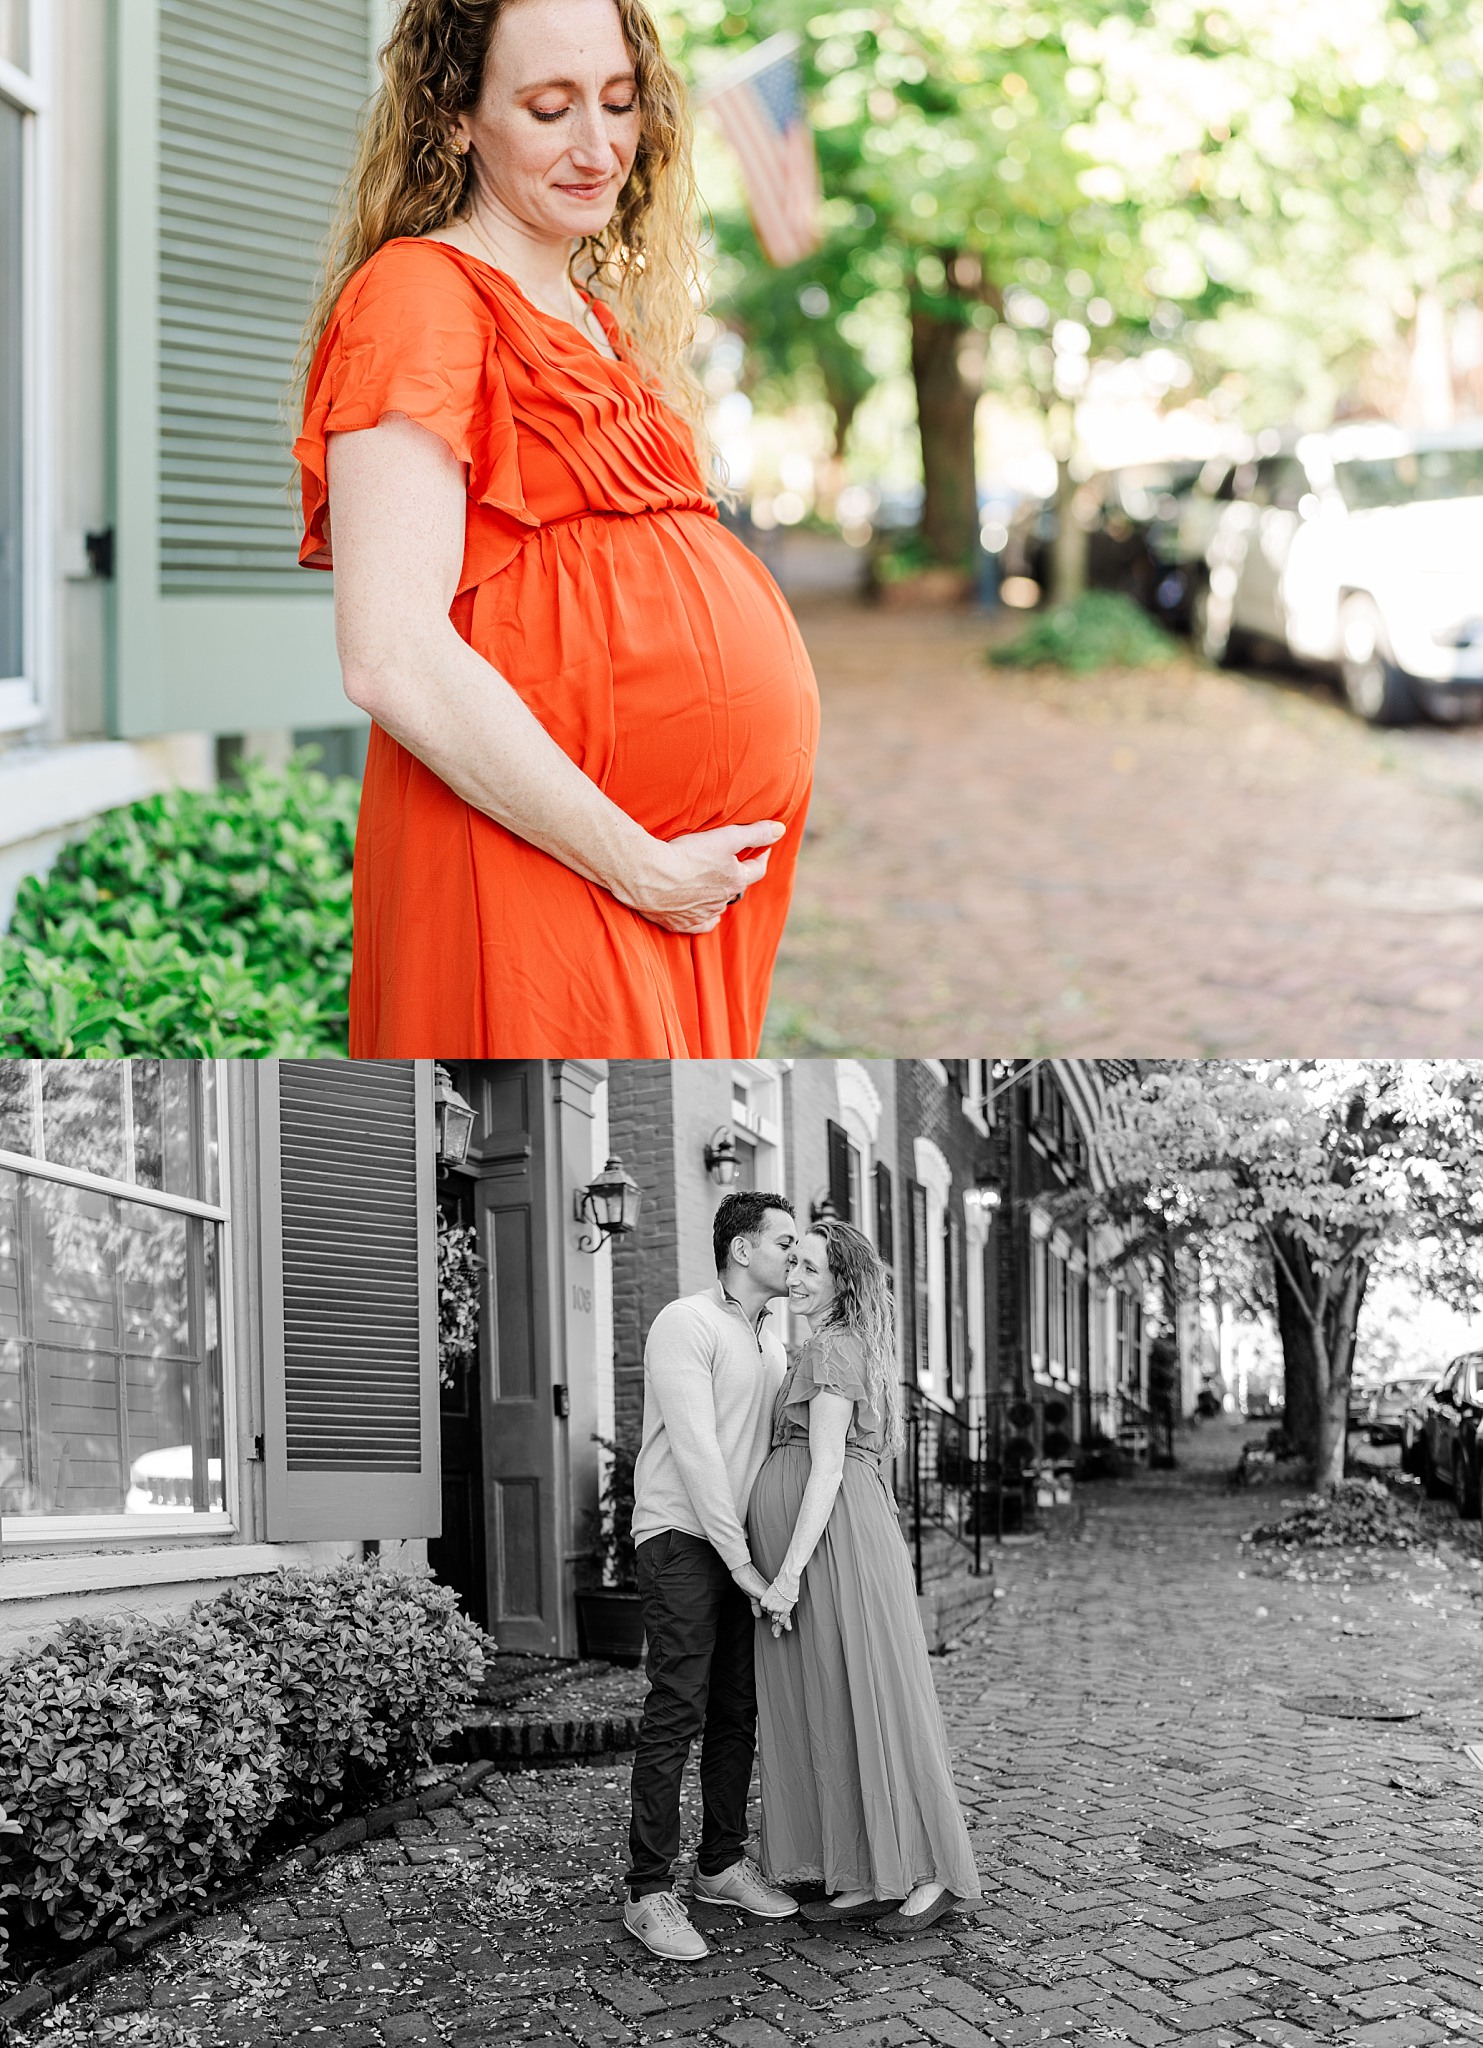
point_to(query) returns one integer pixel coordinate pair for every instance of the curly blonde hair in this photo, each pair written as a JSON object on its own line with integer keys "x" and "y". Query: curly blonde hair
{"x": 863, "y": 1305}
{"x": 410, "y": 179}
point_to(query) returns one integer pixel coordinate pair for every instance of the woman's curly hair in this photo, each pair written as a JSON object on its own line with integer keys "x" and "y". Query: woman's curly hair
{"x": 863, "y": 1305}
{"x": 410, "y": 179}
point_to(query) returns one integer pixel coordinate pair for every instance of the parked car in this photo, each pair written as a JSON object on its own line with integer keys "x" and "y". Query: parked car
{"x": 1448, "y": 1454}
{"x": 1381, "y": 1417}
{"x": 1412, "y": 1419}
{"x": 1130, "y": 515}
{"x": 1179, "y": 538}
{"x": 1361, "y": 550}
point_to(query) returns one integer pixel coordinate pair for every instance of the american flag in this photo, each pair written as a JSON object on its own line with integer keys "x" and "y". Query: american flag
{"x": 758, "y": 103}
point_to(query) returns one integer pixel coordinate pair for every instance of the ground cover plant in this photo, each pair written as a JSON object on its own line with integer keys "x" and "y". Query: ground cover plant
{"x": 191, "y": 926}
{"x": 1101, "y": 629}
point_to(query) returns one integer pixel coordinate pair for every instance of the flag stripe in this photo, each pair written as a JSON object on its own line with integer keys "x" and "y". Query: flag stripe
{"x": 780, "y": 169}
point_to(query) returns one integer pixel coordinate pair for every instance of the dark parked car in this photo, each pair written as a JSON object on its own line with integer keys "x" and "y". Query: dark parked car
{"x": 1447, "y": 1453}
{"x": 1382, "y": 1413}
{"x": 1412, "y": 1418}
{"x": 1131, "y": 516}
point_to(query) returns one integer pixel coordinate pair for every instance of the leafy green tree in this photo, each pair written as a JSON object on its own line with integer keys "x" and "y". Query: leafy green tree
{"x": 1031, "y": 188}
{"x": 1305, "y": 1179}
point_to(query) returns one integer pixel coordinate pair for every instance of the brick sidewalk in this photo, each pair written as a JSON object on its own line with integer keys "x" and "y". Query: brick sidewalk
{"x": 1193, "y": 864}
{"x": 1170, "y": 1852}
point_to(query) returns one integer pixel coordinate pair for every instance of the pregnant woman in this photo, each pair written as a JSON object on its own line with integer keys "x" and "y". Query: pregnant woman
{"x": 857, "y": 1785}
{"x": 594, "y": 722}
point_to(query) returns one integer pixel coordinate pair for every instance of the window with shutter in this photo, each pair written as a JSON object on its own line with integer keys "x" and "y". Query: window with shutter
{"x": 957, "y": 1304}
{"x": 350, "y": 1299}
{"x": 839, "y": 1172}
{"x": 920, "y": 1322}
{"x": 237, "y": 122}
{"x": 885, "y": 1219}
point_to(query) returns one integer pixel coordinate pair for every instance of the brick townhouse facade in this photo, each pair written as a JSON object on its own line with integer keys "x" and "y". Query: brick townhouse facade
{"x": 947, "y": 1166}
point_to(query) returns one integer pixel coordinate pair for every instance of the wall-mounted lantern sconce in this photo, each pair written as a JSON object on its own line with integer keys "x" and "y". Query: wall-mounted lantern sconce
{"x": 986, "y": 1200}
{"x": 721, "y": 1161}
{"x": 821, "y": 1209}
{"x": 609, "y": 1205}
{"x": 453, "y": 1119}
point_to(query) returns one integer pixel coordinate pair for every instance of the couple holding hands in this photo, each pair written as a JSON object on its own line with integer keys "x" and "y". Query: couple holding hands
{"x": 779, "y": 1601}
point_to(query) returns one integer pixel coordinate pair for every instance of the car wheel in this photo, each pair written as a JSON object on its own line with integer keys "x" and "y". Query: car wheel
{"x": 1464, "y": 1486}
{"x": 1374, "y": 687}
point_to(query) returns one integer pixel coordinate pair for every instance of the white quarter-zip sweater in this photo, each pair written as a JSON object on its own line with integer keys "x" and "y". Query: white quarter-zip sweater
{"x": 710, "y": 1380}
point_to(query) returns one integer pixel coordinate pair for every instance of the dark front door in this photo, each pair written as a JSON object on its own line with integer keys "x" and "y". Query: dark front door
{"x": 519, "y": 1429}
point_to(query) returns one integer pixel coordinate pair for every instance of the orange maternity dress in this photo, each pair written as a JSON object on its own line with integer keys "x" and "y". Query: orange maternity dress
{"x": 651, "y": 645}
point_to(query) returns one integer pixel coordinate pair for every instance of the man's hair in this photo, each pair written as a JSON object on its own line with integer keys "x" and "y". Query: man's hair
{"x": 742, "y": 1215}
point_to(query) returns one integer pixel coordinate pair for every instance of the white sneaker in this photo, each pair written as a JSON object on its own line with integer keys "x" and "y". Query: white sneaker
{"x": 744, "y": 1886}
{"x": 663, "y": 1926}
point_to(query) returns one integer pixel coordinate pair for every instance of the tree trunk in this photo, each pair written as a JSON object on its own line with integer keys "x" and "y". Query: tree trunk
{"x": 1300, "y": 1397}
{"x": 946, "y": 404}
{"x": 1069, "y": 561}
{"x": 1318, "y": 1319}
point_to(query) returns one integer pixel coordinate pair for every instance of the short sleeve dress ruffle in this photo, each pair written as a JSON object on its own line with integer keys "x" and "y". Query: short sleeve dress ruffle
{"x": 830, "y": 1362}
{"x": 653, "y": 647}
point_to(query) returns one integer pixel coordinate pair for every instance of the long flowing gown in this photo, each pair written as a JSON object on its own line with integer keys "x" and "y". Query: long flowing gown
{"x": 857, "y": 1784}
{"x": 651, "y": 645}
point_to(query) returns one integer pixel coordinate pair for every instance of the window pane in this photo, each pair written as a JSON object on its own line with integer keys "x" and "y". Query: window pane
{"x": 17, "y": 1130}
{"x": 12, "y": 399}
{"x": 13, "y": 1490}
{"x": 15, "y": 33}
{"x": 166, "y": 1126}
{"x": 110, "y": 1399}
{"x": 150, "y": 1122}
{"x": 82, "y": 1115}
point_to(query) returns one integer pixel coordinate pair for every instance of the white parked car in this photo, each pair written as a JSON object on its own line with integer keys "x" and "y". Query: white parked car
{"x": 1359, "y": 549}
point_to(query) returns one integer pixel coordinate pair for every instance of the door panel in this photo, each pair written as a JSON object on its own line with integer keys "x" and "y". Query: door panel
{"x": 515, "y": 1340}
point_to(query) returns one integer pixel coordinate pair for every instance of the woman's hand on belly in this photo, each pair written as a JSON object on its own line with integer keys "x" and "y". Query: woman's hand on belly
{"x": 687, "y": 884}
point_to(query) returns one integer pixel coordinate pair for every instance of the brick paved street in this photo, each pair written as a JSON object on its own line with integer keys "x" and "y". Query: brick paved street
{"x": 1170, "y": 1852}
{"x": 1192, "y": 864}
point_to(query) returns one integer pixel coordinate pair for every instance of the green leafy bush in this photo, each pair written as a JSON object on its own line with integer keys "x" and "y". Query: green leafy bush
{"x": 139, "y": 1765}
{"x": 191, "y": 926}
{"x": 1101, "y": 629}
{"x": 142, "y": 1761}
{"x": 371, "y": 1668}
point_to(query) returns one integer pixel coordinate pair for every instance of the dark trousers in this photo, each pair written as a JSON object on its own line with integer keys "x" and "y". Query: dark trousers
{"x": 701, "y": 1682}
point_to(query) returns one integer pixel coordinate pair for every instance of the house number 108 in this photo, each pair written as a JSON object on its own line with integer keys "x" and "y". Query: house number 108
{"x": 582, "y": 1299}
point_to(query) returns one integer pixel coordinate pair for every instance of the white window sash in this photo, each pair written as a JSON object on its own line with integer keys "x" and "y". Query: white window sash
{"x": 24, "y": 698}
{"x": 45, "y": 1529}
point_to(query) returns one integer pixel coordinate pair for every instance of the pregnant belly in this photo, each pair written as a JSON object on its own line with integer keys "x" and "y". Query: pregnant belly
{"x": 661, "y": 657}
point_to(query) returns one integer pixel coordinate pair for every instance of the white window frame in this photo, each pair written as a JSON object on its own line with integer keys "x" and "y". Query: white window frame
{"x": 860, "y": 1112}
{"x": 759, "y": 1127}
{"x": 38, "y": 1531}
{"x": 978, "y": 1097}
{"x": 978, "y": 1223}
{"x": 24, "y": 699}
{"x": 934, "y": 1174}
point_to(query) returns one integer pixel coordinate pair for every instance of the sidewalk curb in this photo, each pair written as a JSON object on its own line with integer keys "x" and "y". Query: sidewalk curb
{"x": 52, "y": 1987}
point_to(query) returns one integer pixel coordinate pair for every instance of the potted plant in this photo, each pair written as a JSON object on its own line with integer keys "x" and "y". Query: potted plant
{"x": 610, "y": 1621}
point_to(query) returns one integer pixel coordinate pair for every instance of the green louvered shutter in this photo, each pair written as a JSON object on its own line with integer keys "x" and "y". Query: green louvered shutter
{"x": 350, "y": 1311}
{"x": 237, "y": 122}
